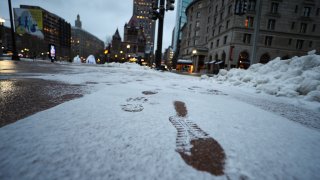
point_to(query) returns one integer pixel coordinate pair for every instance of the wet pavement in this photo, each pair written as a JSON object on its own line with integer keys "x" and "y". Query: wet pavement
{"x": 9, "y": 67}
{"x": 21, "y": 97}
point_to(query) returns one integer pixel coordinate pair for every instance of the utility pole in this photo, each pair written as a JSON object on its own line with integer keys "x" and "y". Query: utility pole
{"x": 160, "y": 16}
{"x": 14, "y": 48}
{"x": 160, "y": 34}
{"x": 256, "y": 33}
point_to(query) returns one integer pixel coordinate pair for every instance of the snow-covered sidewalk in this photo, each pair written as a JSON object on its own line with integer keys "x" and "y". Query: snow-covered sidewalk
{"x": 121, "y": 132}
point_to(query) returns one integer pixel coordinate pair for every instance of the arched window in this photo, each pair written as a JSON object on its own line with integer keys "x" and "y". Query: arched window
{"x": 223, "y": 56}
{"x": 251, "y": 5}
{"x": 265, "y": 58}
{"x": 285, "y": 57}
{"x": 243, "y": 60}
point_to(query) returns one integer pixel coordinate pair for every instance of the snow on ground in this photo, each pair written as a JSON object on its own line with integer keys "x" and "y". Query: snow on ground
{"x": 97, "y": 137}
{"x": 91, "y": 60}
{"x": 76, "y": 59}
{"x": 298, "y": 76}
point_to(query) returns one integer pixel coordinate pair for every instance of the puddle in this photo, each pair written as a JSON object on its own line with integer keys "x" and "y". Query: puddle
{"x": 195, "y": 146}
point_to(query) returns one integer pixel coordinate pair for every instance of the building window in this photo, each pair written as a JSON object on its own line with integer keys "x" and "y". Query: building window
{"x": 213, "y": 32}
{"x": 274, "y": 7}
{"x": 246, "y": 38}
{"x": 310, "y": 44}
{"x": 215, "y": 20}
{"x": 225, "y": 39}
{"x": 290, "y": 41}
{"x": 303, "y": 28}
{"x": 268, "y": 40}
{"x": 216, "y": 9}
{"x": 292, "y": 25}
{"x": 271, "y": 24}
{"x": 188, "y": 43}
{"x": 229, "y": 9}
{"x": 306, "y": 11}
{"x": 200, "y": 5}
{"x": 222, "y": 2}
{"x": 296, "y": 9}
{"x": 198, "y": 14}
{"x": 208, "y": 29}
{"x": 314, "y": 28}
{"x": 221, "y": 16}
{"x": 249, "y": 22}
{"x": 220, "y": 27}
{"x": 211, "y": 45}
{"x": 210, "y": 9}
{"x": 217, "y": 45}
{"x": 252, "y": 5}
{"x": 197, "y": 33}
{"x": 299, "y": 44}
{"x": 318, "y": 11}
{"x": 227, "y": 24}
{"x": 209, "y": 19}
{"x": 197, "y": 24}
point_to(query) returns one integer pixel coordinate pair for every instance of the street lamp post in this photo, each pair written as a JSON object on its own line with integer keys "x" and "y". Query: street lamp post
{"x": 14, "y": 48}
{"x": 128, "y": 48}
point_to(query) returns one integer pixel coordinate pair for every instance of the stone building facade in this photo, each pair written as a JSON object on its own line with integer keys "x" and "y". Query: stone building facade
{"x": 84, "y": 43}
{"x": 215, "y": 36}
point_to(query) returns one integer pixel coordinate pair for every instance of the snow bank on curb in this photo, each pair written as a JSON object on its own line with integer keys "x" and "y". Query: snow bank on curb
{"x": 298, "y": 76}
{"x": 91, "y": 60}
{"x": 77, "y": 60}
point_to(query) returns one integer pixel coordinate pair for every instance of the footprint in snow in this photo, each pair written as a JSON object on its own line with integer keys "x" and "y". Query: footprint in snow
{"x": 195, "y": 146}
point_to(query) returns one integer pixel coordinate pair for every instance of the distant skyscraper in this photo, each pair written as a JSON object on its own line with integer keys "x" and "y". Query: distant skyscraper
{"x": 141, "y": 9}
{"x": 180, "y": 20}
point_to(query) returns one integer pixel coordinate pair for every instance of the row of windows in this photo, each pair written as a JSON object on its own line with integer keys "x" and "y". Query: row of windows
{"x": 249, "y": 21}
{"x": 268, "y": 41}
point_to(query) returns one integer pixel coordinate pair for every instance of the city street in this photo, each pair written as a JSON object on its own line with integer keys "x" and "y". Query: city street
{"x": 124, "y": 121}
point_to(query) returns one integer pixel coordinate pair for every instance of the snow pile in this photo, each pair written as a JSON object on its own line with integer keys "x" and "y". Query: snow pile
{"x": 91, "y": 60}
{"x": 77, "y": 59}
{"x": 298, "y": 76}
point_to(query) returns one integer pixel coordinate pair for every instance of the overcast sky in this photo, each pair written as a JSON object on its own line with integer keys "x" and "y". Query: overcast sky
{"x": 99, "y": 17}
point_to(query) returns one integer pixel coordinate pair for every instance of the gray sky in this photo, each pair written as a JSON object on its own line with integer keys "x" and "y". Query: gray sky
{"x": 99, "y": 17}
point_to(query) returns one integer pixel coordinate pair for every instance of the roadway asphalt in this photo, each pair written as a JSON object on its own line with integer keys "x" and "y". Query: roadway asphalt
{"x": 21, "y": 96}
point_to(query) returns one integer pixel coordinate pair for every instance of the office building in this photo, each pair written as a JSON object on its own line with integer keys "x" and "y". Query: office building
{"x": 141, "y": 13}
{"x": 214, "y": 36}
{"x": 181, "y": 19}
{"x": 84, "y": 43}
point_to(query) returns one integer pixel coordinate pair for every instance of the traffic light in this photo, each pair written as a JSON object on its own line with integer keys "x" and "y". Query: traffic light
{"x": 154, "y": 15}
{"x": 170, "y": 5}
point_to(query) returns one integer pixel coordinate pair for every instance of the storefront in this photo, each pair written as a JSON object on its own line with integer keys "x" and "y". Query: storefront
{"x": 184, "y": 66}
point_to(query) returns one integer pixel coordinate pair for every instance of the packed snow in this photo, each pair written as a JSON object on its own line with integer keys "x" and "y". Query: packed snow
{"x": 119, "y": 132}
{"x": 298, "y": 76}
{"x": 91, "y": 60}
{"x": 77, "y": 59}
